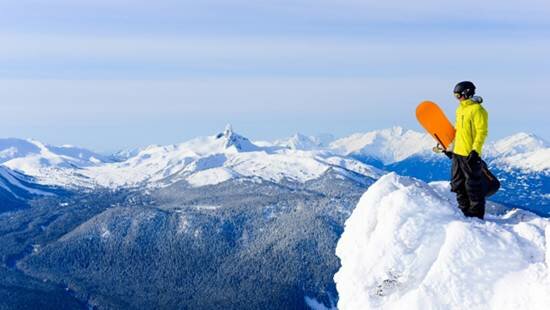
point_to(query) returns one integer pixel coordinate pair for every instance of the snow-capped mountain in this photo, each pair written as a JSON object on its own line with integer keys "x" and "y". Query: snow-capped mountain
{"x": 521, "y": 151}
{"x": 519, "y": 143}
{"x": 408, "y": 247}
{"x": 302, "y": 142}
{"x": 125, "y": 154}
{"x": 207, "y": 161}
{"x": 215, "y": 159}
{"x": 31, "y": 156}
{"x": 386, "y": 146}
{"x": 521, "y": 161}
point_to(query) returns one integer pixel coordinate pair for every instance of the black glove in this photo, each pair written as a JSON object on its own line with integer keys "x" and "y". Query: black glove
{"x": 473, "y": 159}
{"x": 448, "y": 154}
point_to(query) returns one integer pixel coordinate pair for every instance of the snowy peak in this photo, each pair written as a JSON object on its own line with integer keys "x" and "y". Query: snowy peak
{"x": 214, "y": 159}
{"x": 17, "y": 153}
{"x": 126, "y": 154}
{"x": 236, "y": 141}
{"x": 302, "y": 142}
{"x": 48, "y": 164}
{"x": 517, "y": 144}
{"x": 211, "y": 159}
{"x": 406, "y": 247}
{"x": 388, "y": 145}
{"x": 522, "y": 151}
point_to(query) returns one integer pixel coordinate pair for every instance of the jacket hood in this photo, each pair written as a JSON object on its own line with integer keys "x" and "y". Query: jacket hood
{"x": 473, "y": 100}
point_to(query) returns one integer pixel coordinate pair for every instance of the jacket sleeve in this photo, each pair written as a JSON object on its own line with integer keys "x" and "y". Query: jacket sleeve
{"x": 481, "y": 125}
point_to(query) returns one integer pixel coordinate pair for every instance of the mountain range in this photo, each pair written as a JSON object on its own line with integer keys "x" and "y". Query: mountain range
{"x": 521, "y": 161}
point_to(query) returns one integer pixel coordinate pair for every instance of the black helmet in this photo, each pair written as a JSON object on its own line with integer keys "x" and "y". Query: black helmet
{"x": 465, "y": 89}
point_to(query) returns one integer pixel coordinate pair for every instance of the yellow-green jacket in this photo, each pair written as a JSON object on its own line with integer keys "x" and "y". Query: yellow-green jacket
{"x": 471, "y": 127}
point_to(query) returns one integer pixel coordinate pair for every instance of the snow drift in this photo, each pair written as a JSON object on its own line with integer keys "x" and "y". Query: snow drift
{"x": 407, "y": 246}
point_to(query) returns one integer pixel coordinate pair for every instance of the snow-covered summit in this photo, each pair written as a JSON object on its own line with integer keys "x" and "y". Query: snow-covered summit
{"x": 302, "y": 142}
{"x": 211, "y": 160}
{"x": 30, "y": 156}
{"x": 233, "y": 140}
{"x": 406, "y": 246}
{"x": 388, "y": 145}
{"x": 227, "y": 155}
{"x": 516, "y": 144}
{"x": 522, "y": 151}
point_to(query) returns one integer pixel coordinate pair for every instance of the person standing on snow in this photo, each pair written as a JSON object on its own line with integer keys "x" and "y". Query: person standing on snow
{"x": 471, "y": 131}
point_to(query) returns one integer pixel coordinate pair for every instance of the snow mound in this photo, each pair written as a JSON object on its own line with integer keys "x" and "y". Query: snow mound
{"x": 408, "y": 247}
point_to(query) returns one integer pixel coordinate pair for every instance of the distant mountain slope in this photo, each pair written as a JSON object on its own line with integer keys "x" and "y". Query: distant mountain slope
{"x": 17, "y": 189}
{"x": 239, "y": 244}
{"x": 31, "y": 156}
{"x": 388, "y": 145}
{"x": 521, "y": 162}
{"x": 302, "y": 142}
{"x": 522, "y": 151}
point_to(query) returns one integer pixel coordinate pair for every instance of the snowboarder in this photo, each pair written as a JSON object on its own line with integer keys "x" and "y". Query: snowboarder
{"x": 471, "y": 131}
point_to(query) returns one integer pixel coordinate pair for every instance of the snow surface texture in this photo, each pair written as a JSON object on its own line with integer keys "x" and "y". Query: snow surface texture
{"x": 407, "y": 247}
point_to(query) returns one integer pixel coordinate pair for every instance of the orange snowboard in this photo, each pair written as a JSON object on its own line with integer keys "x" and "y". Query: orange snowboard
{"x": 432, "y": 118}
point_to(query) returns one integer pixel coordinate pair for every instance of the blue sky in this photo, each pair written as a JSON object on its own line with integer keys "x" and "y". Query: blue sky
{"x": 116, "y": 74}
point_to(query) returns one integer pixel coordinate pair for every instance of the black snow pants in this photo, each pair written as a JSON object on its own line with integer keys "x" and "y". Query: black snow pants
{"x": 467, "y": 183}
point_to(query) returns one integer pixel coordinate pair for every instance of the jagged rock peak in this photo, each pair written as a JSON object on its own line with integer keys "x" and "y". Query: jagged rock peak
{"x": 233, "y": 139}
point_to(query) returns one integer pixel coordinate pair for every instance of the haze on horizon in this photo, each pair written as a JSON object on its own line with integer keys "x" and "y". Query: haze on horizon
{"x": 115, "y": 74}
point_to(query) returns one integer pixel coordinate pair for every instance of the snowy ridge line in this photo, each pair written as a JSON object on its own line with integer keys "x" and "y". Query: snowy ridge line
{"x": 206, "y": 161}
{"x": 215, "y": 159}
{"x": 387, "y": 145}
{"x": 407, "y": 247}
